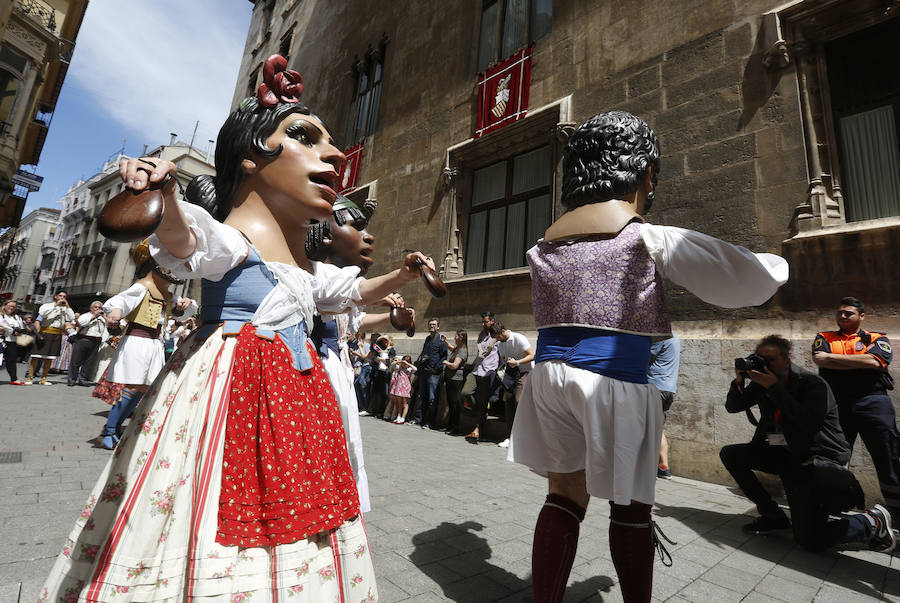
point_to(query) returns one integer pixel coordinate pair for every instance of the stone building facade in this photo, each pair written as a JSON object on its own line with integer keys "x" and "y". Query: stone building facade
{"x": 27, "y": 247}
{"x": 777, "y": 133}
{"x": 37, "y": 38}
{"x": 96, "y": 267}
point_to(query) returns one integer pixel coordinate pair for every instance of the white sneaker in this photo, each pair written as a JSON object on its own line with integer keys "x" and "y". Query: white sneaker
{"x": 364, "y": 413}
{"x": 400, "y": 421}
{"x": 504, "y": 443}
{"x": 28, "y": 382}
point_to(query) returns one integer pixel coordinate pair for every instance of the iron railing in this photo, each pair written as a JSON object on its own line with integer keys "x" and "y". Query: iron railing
{"x": 43, "y": 14}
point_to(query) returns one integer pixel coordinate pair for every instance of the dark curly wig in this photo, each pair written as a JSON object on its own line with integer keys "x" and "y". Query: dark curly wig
{"x": 246, "y": 130}
{"x": 606, "y": 158}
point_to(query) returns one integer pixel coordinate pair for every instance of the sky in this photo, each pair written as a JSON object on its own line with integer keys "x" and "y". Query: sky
{"x": 140, "y": 71}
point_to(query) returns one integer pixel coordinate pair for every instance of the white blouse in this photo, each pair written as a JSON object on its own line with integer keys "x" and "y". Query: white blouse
{"x": 298, "y": 295}
{"x": 716, "y": 271}
{"x": 8, "y": 324}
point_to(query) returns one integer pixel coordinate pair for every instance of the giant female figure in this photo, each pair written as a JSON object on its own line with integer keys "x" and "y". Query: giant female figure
{"x": 233, "y": 483}
{"x": 588, "y": 419}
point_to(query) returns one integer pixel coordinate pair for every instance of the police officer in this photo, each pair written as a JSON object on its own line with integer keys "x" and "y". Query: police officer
{"x": 855, "y": 363}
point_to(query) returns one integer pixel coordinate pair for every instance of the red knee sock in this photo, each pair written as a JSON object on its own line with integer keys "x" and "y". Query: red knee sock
{"x": 632, "y": 550}
{"x": 555, "y": 543}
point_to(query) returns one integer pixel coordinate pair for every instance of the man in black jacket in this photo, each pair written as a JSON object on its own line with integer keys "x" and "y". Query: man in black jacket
{"x": 799, "y": 438}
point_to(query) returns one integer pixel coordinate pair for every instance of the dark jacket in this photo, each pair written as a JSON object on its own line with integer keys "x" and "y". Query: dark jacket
{"x": 808, "y": 415}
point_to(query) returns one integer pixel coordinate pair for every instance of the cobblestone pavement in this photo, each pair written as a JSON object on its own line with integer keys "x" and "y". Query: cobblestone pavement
{"x": 450, "y": 521}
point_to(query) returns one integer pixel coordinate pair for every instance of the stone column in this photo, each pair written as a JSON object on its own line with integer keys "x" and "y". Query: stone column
{"x": 819, "y": 209}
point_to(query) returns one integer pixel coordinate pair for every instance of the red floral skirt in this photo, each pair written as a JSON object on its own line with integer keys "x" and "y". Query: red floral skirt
{"x": 285, "y": 473}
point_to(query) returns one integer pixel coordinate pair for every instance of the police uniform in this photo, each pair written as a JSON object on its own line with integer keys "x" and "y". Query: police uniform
{"x": 864, "y": 407}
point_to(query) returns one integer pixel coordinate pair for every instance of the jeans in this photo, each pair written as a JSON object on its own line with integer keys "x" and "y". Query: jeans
{"x": 361, "y": 384}
{"x": 813, "y": 528}
{"x": 453, "y": 387}
{"x": 428, "y": 395}
{"x": 121, "y": 410}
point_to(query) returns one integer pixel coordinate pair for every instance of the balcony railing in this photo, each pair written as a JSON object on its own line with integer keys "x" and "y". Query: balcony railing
{"x": 37, "y": 10}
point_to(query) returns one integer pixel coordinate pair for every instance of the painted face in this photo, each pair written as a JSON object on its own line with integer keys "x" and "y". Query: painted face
{"x": 849, "y": 319}
{"x": 300, "y": 184}
{"x": 351, "y": 244}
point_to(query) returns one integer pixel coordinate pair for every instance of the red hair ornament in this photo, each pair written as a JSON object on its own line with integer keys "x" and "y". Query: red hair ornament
{"x": 280, "y": 84}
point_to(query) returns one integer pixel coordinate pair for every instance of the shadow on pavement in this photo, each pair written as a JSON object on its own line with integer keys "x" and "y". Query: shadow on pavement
{"x": 862, "y": 576}
{"x": 471, "y": 554}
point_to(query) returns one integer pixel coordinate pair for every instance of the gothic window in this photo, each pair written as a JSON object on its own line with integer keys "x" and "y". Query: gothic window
{"x": 509, "y": 211}
{"x": 363, "y": 113}
{"x": 865, "y": 104}
{"x": 507, "y": 25}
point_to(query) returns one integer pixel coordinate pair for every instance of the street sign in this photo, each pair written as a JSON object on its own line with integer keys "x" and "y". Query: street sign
{"x": 30, "y": 181}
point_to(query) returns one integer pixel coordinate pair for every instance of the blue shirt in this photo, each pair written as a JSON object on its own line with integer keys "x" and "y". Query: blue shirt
{"x": 664, "y": 360}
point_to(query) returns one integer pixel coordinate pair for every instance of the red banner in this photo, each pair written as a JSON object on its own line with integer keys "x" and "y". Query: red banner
{"x": 351, "y": 170}
{"x": 503, "y": 92}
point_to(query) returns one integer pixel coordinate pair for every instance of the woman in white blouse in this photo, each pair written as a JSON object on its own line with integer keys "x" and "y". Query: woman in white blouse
{"x": 11, "y": 325}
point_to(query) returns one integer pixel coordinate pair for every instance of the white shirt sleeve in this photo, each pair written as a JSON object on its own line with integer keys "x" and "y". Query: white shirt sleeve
{"x": 127, "y": 300}
{"x": 717, "y": 272}
{"x": 219, "y": 247}
{"x": 84, "y": 319}
{"x": 336, "y": 289}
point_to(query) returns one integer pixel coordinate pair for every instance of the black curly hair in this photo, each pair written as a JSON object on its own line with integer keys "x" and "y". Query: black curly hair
{"x": 606, "y": 158}
{"x": 246, "y": 130}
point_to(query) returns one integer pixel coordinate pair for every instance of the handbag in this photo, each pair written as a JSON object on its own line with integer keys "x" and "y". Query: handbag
{"x": 23, "y": 341}
{"x": 468, "y": 388}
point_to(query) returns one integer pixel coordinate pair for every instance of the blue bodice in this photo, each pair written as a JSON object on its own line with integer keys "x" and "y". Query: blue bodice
{"x": 233, "y": 300}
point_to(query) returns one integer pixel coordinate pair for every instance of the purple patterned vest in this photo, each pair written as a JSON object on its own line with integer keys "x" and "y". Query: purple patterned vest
{"x": 598, "y": 282}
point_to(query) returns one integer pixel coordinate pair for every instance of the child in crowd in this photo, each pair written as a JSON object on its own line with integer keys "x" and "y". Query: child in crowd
{"x": 401, "y": 390}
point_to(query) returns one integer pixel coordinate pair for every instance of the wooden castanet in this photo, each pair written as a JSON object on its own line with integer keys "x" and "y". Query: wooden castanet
{"x": 132, "y": 216}
{"x": 435, "y": 285}
{"x": 402, "y": 320}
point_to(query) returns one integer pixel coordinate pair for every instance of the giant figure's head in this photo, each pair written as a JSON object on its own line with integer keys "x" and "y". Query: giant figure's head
{"x": 607, "y": 157}
{"x": 246, "y": 135}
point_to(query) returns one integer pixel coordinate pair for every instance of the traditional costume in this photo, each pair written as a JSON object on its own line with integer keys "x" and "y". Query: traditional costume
{"x": 233, "y": 482}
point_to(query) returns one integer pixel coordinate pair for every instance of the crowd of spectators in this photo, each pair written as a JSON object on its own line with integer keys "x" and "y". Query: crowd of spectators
{"x": 486, "y": 381}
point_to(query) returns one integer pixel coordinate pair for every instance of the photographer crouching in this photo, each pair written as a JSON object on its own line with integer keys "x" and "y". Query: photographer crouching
{"x": 798, "y": 437}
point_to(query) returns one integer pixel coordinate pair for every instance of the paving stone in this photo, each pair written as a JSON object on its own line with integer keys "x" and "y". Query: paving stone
{"x": 784, "y": 590}
{"x": 701, "y": 590}
{"x": 440, "y": 530}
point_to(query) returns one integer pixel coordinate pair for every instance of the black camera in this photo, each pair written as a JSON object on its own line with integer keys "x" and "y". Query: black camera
{"x": 753, "y": 362}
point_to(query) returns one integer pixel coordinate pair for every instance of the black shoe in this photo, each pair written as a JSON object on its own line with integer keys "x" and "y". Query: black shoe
{"x": 883, "y": 540}
{"x": 85, "y": 384}
{"x": 70, "y": 383}
{"x": 765, "y": 525}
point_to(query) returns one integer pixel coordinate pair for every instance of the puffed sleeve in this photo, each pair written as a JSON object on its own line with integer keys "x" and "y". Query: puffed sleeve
{"x": 219, "y": 247}
{"x": 127, "y": 300}
{"x": 335, "y": 289}
{"x": 717, "y": 272}
{"x": 355, "y": 320}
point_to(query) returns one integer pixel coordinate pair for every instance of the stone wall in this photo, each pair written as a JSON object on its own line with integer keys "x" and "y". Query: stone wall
{"x": 733, "y": 166}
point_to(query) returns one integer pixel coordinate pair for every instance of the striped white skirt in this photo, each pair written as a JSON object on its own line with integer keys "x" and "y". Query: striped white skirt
{"x": 147, "y": 532}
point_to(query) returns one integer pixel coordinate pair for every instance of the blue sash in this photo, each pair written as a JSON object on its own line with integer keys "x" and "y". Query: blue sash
{"x": 621, "y": 356}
